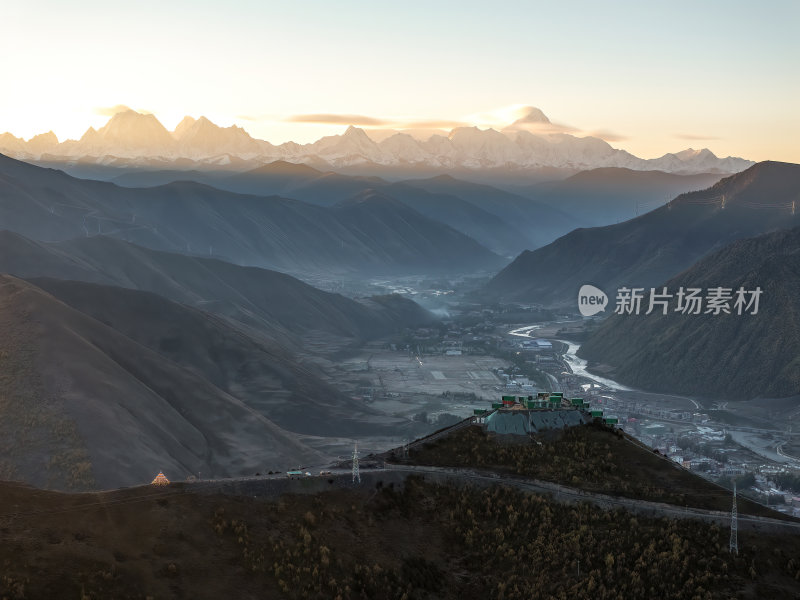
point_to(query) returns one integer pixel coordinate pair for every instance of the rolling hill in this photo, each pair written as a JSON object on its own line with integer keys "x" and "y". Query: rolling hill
{"x": 275, "y": 305}
{"x": 503, "y": 221}
{"x": 540, "y": 222}
{"x": 273, "y": 301}
{"x": 378, "y": 216}
{"x": 100, "y": 385}
{"x": 654, "y": 247}
{"x": 220, "y": 379}
{"x": 476, "y": 217}
{"x": 262, "y": 374}
{"x": 727, "y": 356}
{"x": 85, "y": 406}
{"x": 192, "y": 218}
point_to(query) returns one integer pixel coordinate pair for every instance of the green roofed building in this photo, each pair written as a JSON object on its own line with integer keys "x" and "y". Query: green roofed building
{"x": 524, "y": 422}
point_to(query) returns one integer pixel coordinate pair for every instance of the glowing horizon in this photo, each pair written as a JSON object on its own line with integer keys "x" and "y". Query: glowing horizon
{"x": 379, "y": 129}
{"x": 649, "y": 80}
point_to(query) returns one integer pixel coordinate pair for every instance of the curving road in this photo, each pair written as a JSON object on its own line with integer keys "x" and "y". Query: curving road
{"x": 559, "y": 493}
{"x": 563, "y": 493}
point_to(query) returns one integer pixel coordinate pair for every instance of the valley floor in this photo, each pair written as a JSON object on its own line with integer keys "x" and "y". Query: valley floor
{"x": 405, "y": 384}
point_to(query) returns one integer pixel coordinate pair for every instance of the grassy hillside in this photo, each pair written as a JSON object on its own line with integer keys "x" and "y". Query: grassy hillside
{"x": 728, "y": 355}
{"x": 39, "y": 441}
{"x": 84, "y": 404}
{"x": 262, "y": 375}
{"x": 590, "y": 457}
{"x": 419, "y": 542}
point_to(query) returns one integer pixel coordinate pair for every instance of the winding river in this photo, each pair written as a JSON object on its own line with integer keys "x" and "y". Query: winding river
{"x": 578, "y": 365}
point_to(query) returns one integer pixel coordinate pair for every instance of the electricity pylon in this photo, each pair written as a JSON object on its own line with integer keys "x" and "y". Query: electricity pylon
{"x": 734, "y": 546}
{"x": 356, "y": 474}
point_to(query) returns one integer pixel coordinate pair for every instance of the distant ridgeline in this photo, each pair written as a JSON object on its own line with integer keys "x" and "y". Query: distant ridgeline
{"x": 656, "y": 246}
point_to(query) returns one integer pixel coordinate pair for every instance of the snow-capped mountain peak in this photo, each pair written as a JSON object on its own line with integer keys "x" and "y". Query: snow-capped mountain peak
{"x": 202, "y": 138}
{"x": 528, "y": 143}
{"x": 185, "y": 124}
{"x": 44, "y": 142}
{"x": 533, "y": 115}
{"x": 691, "y": 153}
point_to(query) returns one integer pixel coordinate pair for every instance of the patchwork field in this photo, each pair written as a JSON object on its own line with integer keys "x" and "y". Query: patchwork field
{"x": 398, "y": 372}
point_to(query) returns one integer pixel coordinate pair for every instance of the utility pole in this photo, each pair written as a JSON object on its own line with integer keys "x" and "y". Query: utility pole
{"x": 734, "y": 546}
{"x": 356, "y": 474}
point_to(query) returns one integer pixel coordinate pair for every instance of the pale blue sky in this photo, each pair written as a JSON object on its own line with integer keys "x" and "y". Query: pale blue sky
{"x": 651, "y": 78}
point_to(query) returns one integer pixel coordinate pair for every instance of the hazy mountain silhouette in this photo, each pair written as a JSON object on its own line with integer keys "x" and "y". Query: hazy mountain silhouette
{"x": 539, "y": 222}
{"x": 608, "y": 195}
{"x": 654, "y": 247}
{"x": 47, "y": 204}
{"x": 492, "y": 227}
{"x": 274, "y": 304}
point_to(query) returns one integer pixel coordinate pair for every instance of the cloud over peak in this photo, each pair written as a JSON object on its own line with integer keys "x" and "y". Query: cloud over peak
{"x": 337, "y": 119}
{"x": 110, "y": 111}
{"x": 608, "y": 136}
{"x": 695, "y": 137}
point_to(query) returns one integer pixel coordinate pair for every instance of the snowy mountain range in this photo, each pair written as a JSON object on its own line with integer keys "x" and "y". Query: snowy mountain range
{"x": 135, "y": 139}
